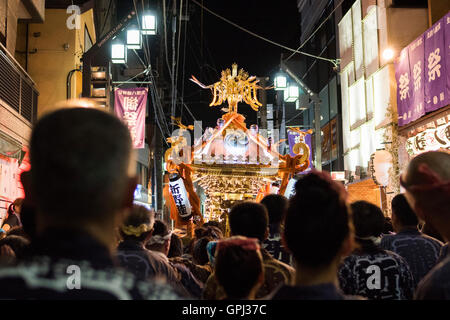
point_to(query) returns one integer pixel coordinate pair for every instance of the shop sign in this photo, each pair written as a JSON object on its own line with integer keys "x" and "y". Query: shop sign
{"x": 421, "y": 73}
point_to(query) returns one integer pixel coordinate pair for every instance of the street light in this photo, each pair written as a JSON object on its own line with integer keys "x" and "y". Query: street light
{"x": 291, "y": 94}
{"x": 280, "y": 82}
{"x": 134, "y": 38}
{"x": 118, "y": 52}
{"x": 149, "y": 23}
{"x": 388, "y": 54}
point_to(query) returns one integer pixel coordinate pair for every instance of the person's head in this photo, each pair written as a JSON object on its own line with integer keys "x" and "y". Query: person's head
{"x": 138, "y": 224}
{"x": 318, "y": 229}
{"x": 427, "y": 185}
{"x": 176, "y": 246}
{"x": 17, "y": 231}
{"x": 17, "y": 243}
{"x": 368, "y": 220}
{"x": 82, "y": 173}
{"x": 276, "y": 206}
{"x": 15, "y": 207}
{"x": 160, "y": 239}
{"x": 402, "y": 214}
{"x": 213, "y": 224}
{"x": 249, "y": 219}
{"x": 387, "y": 228}
{"x": 239, "y": 267}
{"x": 200, "y": 253}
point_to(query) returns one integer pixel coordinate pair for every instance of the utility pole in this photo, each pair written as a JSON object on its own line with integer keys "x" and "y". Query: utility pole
{"x": 263, "y": 99}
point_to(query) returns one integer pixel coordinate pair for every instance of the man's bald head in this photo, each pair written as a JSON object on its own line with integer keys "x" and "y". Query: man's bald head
{"x": 437, "y": 161}
{"x": 79, "y": 161}
{"x": 427, "y": 184}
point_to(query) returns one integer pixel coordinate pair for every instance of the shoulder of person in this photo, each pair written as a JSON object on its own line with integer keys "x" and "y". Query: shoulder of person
{"x": 435, "y": 241}
{"x": 436, "y": 284}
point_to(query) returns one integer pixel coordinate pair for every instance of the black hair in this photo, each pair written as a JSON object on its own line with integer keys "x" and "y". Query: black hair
{"x": 403, "y": 211}
{"x": 159, "y": 229}
{"x": 216, "y": 224}
{"x": 200, "y": 254}
{"x": 137, "y": 216}
{"x": 237, "y": 270}
{"x": 368, "y": 219}
{"x": 317, "y": 220}
{"x": 17, "y": 231}
{"x": 276, "y": 206}
{"x": 79, "y": 161}
{"x": 176, "y": 246}
{"x": 17, "y": 243}
{"x": 249, "y": 219}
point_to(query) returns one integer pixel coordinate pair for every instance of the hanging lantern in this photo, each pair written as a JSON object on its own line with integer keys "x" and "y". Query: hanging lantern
{"x": 149, "y": 23}
{"x": 118, "y": 52}
{"x": 291, "y": 94}
{"x": 180, "y": 196}
{"x": 280, "y": 81}
{"x": 134, "y": 38}
{"x": 290, "y": 189}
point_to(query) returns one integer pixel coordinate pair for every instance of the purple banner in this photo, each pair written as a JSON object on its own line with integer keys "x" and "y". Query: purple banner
{"x": 435, "y": 67}
{"x": 294, "y": 137}
{"x": 130, "y": 106}
{"x": 447, "y": 54}
{"x": 416, "y": 108}
{"x": 404, "y": 88}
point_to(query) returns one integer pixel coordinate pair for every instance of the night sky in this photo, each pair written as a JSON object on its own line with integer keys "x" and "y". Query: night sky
{"x": 224, "y": 44}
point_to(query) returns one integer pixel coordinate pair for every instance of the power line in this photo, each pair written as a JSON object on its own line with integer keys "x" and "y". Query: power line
{"x": 334, "y": 61}
{"x": 184, "y": 58}
{"x": 315, "y": 31}
{"x": 165, "y": 37}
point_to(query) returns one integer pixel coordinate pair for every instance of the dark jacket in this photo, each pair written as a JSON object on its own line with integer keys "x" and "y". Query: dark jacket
{"x": 69, "y": 264}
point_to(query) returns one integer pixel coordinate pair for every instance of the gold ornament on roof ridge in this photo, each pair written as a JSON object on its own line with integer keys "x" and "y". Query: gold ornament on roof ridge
{"x": 234, "y": 87}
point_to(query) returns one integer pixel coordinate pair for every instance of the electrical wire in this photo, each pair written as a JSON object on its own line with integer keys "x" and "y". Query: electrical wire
{"x": 139, "y": 25}
{"x": 334, "y": 61}
{"x": 178, "y": 55}
{"x": 184, "y": 59}
{"x": 165, "y": 37}
{"x": 315, "y": 31}
{"x": 106, "y": 17}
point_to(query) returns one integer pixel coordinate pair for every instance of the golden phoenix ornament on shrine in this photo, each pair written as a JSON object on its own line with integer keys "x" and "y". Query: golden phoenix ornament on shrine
{"x": 234, "y": 87}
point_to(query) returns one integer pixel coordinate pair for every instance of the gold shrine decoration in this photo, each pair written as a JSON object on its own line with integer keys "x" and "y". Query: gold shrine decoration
{"x": 234, "y": 87}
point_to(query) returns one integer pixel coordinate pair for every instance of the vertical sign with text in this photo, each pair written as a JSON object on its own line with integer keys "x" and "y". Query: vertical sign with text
{"x": 436, "y": 95}
{"x": 130, "y": 106}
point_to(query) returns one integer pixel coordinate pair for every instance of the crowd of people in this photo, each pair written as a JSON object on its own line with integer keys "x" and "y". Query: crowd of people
{"x": 78, "y": 235}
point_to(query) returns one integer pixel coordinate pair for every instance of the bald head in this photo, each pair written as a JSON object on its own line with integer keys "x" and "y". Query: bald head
{"x": 437, "y": 161}
{"x": 79, "y": 163}
{"x": 427, "y": 184}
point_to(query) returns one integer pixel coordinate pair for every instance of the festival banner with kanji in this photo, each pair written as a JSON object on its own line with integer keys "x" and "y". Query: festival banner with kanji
{"x": 416, "y": 53}
{"x": 130, "y": 106}
{"x": 447, "y": 51}
{"x": 423, "y": 83}
{"x": 403, "y": 78}
{"x": 436, "y": 95}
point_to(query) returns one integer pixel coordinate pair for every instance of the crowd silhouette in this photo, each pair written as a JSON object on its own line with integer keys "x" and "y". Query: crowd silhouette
{"x": 78, "y": 235}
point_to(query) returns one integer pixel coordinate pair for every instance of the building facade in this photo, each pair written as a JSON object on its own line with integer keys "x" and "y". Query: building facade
{"x": 372, "y": 34}
{"x": 18, "y": 96}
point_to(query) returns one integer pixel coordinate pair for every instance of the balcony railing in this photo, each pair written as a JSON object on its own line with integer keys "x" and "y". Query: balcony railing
{"x": 17, "y": 89}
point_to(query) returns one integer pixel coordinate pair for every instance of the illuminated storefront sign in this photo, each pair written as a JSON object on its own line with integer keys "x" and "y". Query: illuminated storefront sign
{"x": 429, "y": 140}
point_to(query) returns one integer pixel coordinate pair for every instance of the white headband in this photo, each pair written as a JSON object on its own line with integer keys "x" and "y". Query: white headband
{"x": 159, "y": 239}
